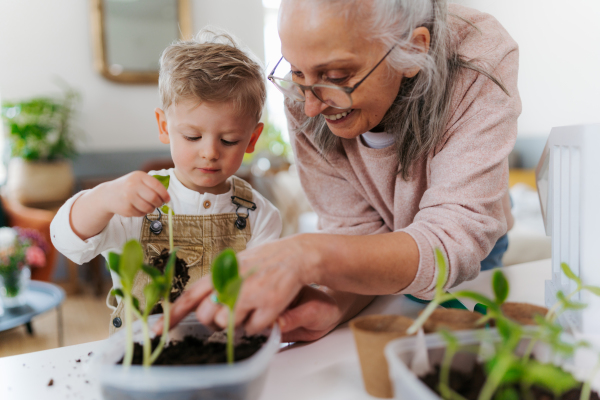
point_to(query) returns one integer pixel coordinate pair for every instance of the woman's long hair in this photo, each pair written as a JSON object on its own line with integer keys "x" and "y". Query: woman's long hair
{"x": 421, "y": 110}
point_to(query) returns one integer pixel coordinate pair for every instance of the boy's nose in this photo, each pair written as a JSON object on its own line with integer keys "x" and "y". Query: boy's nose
{"x": 209, "y": 152}
{"x": 312, "y": 105}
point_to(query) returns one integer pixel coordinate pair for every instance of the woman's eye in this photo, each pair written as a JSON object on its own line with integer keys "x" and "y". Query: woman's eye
{"x": 336, "y": 81}
{"x": 228, "y": 143}
{"x": 297, "y": 74}
{"x": 192, "y": 138}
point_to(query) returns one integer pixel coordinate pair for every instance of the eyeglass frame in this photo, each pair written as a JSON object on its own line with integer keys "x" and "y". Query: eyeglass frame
{"x": 347, "y": 89}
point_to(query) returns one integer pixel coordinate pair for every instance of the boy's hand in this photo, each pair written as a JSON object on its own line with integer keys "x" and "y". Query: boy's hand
{"x": 134, "y": 195}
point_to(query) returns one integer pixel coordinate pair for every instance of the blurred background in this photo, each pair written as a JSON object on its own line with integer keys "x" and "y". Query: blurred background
{"x": 78, "y": 82}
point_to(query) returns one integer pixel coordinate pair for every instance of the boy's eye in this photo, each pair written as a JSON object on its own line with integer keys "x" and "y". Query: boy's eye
{"x": 228, "y": 143}
{"x": 192, "y": 138}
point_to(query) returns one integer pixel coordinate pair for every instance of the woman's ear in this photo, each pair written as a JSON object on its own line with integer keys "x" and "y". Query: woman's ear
{"x": 163, "y": 132}
{"x": 420, "y": 41}
{"x": 255, "y": 135}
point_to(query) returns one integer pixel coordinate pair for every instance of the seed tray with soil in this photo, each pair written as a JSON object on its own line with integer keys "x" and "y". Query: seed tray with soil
{"x": 204, "y": 375}
{"x": 467, "y": 376}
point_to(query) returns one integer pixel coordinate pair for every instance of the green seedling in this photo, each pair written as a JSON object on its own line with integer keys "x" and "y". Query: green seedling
{"x": 227, "y": 283}
{"x": 165, "y": 180}
{"x": 505, "y": 370}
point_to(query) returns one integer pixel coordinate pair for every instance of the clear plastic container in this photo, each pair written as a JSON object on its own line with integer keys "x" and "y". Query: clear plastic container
{"x": 242, "y": 380}
{"x": 400, "y": 353}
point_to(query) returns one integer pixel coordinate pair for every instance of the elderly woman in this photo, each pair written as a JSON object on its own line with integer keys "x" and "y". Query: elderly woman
{"x": 402, "y": 116}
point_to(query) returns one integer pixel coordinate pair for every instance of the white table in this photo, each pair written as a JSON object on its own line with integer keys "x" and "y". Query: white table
{"x": 325, "y": 369}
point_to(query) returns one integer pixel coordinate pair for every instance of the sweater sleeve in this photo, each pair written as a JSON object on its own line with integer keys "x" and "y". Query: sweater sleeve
{"x": 462, "y": 212}
{"x": 118, "y": 231}
{"x": 346, "y": 213}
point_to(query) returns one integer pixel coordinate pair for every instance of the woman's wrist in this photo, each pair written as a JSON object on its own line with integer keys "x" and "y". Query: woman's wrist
{"x": 314, "y": 254}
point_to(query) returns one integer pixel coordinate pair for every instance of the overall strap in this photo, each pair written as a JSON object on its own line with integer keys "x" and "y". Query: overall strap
{"x": 242, "y": 197}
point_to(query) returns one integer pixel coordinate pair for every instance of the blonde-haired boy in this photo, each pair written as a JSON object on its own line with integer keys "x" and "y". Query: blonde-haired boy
{"x": 212, "y": 94}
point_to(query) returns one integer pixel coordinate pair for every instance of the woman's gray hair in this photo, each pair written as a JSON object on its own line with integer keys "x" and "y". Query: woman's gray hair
{"x": 420, "y": 112}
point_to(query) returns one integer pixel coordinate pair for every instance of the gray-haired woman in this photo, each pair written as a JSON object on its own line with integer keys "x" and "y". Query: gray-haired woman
{"x": 402, "y": 116}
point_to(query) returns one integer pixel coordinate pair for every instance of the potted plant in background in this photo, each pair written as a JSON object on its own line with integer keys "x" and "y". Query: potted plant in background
{"x": 42, "y": 141}
{"x": 19, "y": 250}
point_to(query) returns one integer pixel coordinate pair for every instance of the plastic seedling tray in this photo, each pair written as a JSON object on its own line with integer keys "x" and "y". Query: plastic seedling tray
{"x": 243, "y": 380}
{"x": 400, "y": 354}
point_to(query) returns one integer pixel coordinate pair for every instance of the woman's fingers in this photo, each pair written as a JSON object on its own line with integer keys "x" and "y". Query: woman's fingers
{"x": 188, "y": 301}
{"x": 207, "y": 310}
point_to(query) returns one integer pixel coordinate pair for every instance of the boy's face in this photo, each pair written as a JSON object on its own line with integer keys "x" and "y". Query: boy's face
{"x": 208, "y": 142}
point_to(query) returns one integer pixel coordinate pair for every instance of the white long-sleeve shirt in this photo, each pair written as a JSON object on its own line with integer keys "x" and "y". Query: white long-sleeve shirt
{"x": 265, "y": 222}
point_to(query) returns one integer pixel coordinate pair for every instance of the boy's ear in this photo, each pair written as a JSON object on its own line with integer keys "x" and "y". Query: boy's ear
{"x": 255, "y": 135}
{"x": 163, "y": 132}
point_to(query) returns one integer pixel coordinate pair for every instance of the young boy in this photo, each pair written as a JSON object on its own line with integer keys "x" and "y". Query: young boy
{"x": 212, "y": 95}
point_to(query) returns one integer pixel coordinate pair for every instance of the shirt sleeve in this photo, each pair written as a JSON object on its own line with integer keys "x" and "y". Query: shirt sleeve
{"x": 348, "y": 213}
{"x": 265, "y": 221}
{"x": 118, "y": 231}
{"x": 462, "y": 211}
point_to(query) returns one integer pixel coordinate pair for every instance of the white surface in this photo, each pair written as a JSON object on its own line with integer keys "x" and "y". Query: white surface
{"x": 325, "y": 369}
{"x": 41, "y": 41}
{"x": 558, "y": 76}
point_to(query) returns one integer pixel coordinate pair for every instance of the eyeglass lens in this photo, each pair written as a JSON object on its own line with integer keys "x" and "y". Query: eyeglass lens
{"x": 332, "y": 96}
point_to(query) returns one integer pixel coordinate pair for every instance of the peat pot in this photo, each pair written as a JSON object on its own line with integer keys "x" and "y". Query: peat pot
{"x": 243, "y": 380}
{"x": 35, "y": 183}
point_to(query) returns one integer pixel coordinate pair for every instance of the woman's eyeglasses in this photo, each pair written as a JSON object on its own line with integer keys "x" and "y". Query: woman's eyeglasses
{"x": 334, "y": 96}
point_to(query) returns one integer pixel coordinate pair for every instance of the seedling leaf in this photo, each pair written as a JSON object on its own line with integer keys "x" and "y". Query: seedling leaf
{"x": 442, "y": 268}
{"x": 569, "y": 273}
{"x": 500, "y": 286}
{"x": 152, "y": 292}
{"x": 113, "y": 262}
{"x": 231, "y": 292}
{"x": 165, "y": 209}
{"x": 594, "y": 289}
{"x": 152, "y": 271}
{"x": 549, "y": 376}
{"x": 450, "y": 339}
{"x": 130, "y": 263}
{"x": 224, "y": 270}
{"x": 164, "y": 179}
{"x": 117, "y": 292}
{"x": 136, "y": 303}
{"x": 507, "y": 393}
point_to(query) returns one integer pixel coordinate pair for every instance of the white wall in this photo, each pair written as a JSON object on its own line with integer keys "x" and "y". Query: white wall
{"x": 42, "y": 40}
{"x": 559, "y": 74}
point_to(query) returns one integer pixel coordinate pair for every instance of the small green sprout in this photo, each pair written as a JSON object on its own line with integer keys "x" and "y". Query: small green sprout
{"x": 227, "y": 283}
{"x": 165, "y": 180}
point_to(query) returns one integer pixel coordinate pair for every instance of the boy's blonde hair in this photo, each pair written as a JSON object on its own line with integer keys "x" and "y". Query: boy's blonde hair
{"x": 212, "y": 67}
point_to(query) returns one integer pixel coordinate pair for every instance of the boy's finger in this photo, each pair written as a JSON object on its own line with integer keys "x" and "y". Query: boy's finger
{"x": 142, "y": 205}
{"x": 158, "y": 187}
{"x": 149, "y": 195}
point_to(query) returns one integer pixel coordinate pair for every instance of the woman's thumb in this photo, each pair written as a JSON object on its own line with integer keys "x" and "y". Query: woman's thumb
{"x": 293, "y": 318}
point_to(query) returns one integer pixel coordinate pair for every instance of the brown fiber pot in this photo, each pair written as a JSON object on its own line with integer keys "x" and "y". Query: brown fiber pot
{"x": 523, "y": 313}
{"x": 451, "y": 319}
{"x": 371, "y": 334}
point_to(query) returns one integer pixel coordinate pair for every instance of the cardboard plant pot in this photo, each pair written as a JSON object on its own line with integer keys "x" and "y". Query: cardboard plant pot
{"x": 451, "y": 319}
{"x": 523, "y": 313}
{"x": 371, "y": 334}
{"x": 242, "y": 380}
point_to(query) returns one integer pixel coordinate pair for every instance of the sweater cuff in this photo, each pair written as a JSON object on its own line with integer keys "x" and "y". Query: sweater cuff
{"x": 423, "y": 286}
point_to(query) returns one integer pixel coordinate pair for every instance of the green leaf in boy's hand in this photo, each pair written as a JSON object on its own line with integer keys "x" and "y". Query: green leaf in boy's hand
{"x": 500, "y": 286}
{"x": 130, "y": 263}
{"x": 549, "y": 376}
{"x": 164, "y": 179}
{"x": 569, "y": 273}
{"x": 224, "y": 270}
{"x": 165, "y": 209}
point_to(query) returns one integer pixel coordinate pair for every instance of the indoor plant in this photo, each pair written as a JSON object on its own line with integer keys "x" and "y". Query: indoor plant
{"x": 42, "y": 140}
{"x": 19, "y": 249}
{"x": 506, "y": 369}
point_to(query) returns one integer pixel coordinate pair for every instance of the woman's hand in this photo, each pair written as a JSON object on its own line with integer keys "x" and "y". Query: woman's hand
{"x": 276, "y": 272}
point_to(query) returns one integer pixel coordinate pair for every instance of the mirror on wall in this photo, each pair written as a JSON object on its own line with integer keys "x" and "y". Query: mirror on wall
{"x": 130, "y": 35}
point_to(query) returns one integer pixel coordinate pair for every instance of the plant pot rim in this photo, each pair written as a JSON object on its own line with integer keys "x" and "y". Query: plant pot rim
{"x": 356, "y": 323}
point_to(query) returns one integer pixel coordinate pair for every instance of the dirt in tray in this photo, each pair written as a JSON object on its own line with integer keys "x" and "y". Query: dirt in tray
{"x": 180, "y": 279}
{"x": 469, "y": 385}
{"x": 194, "y": 351}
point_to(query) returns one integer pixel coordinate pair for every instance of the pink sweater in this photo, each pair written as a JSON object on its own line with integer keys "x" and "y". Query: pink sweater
{"x": 457, "y": 199}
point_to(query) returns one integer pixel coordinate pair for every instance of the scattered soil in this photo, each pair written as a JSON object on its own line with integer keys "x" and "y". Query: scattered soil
{"x": 194, "y": 351}
{"x": 180, "y": 279}
{"x": 51, "y": 383}
{"x": 451, "y": 319}
{"x": 469, "y": 385}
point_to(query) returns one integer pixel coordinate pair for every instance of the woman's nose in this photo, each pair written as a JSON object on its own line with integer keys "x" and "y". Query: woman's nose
{"x": 312, "y": 105}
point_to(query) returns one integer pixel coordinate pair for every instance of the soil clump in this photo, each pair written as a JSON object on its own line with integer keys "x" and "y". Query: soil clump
{"x": 180, "y": 277}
